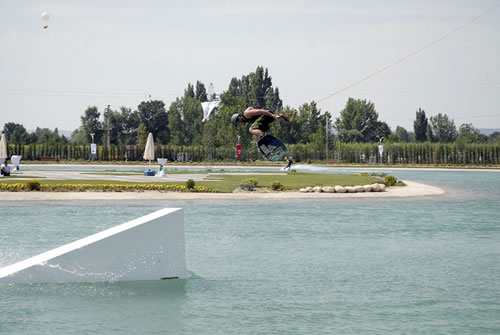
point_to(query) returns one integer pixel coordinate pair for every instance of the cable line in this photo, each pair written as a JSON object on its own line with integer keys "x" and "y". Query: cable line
{"x": 410, "y": 55}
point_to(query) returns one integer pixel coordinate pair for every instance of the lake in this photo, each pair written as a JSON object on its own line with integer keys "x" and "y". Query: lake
{"x": 423, "y": 265}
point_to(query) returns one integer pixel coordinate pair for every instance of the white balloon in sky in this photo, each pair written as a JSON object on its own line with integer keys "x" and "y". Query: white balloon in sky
{"x": 45, "y": 16}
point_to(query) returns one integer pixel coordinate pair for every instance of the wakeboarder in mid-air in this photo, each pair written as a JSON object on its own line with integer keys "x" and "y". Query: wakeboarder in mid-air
{"x": 260, "y": 119}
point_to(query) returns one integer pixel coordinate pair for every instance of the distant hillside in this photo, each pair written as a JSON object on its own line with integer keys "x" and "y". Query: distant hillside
{"x": 488, "y": 131}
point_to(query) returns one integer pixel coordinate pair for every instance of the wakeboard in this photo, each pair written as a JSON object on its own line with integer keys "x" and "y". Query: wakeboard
{"x": 271, "y": 148}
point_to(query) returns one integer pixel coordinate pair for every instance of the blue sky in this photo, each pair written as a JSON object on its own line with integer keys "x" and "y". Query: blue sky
{"x": 120, "y": 52}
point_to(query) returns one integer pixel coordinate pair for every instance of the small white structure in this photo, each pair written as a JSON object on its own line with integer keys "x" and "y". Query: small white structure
{"x": 161, "y": 171}
{"x": 15, "y": 159}
{"x": 151, "y": 247}
{"x": 209, "y": 107}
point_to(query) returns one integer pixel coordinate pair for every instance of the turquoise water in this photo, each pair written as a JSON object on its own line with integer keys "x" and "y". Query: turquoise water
{"x": 428, "y": 265}
{"x": 117, "y": 168}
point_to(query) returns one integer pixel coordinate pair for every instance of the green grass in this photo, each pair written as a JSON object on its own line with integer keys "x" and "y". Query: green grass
{"x": 227, "y": 183}
{"x": 290, "y": 181}
{"x": 80, "y": 181}
{"x": 18, "y": 176}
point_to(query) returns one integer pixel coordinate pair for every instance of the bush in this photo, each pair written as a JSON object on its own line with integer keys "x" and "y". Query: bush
{"x": 248, "y": 184}
{"x": 277, "y": 186}
{"x": 390, "y": 181}
{"x": 190, "y": 184}
{"x": 33, "y": 185}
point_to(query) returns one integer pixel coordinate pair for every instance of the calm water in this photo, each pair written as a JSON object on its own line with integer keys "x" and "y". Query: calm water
{"x": 390, "y": 266}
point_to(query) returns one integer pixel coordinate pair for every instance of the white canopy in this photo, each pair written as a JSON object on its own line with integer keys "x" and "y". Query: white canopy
{"x": 3, "y": 147}
{"x": 208, "y": 108}
{"x": 149, "y": 152}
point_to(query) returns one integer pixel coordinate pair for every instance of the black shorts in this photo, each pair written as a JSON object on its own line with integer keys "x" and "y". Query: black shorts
{"x": 262, "y": 123}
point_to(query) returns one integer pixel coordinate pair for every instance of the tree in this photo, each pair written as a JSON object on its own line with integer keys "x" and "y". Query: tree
{"x": 256, "y": 89}
{"x": 123, "y": 124}
{"x": 45, "y": 135}
{"x": 494, "y": 137}
{"x": 226, "y": 134}
{"x": 26, "y": 138}
{"x": 154, "y": 116}
{"x": 411, "y": 137}
{"x": 209, "y": 132}
{"x": 351, "y": 135}
{"x": 358, "y": 122}
{"x": 142, "y": 135}
{"x": 273, "y": 100}
{"x": 201, "y": 92}
{"x": 260, "y": 82}
{"x": 382, "y": 130}
{"x": 109, "y": 126}
{"x": 402, "y": 134}
{"x": 468, "y": 134}
{"x": 130, "y": 121}
{"x": 91, "y": 124}
{"x": 288, "y": 132}
{"x": 14, "y": 132}
{"x": 443, "y": 128}
{"x": 392, "y": 138}
{"x": 318, "y": 138}
{"x": 79, "y": 137}
{"x": 429, "y": 134}
{"x": 420, "y": 126}
{"x": 175, "y": 124}
{"x": 192, "y": 116}
{"x": 189, "y": 91}
{"x": 309, "y": 121}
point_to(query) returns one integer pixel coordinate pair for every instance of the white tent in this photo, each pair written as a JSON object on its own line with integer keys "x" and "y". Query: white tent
{"x": 149, "y": 152}
{"x": 209, "y": 107}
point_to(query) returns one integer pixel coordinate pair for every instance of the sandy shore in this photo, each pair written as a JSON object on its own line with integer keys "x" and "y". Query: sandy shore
{"x": 411, "y": 190}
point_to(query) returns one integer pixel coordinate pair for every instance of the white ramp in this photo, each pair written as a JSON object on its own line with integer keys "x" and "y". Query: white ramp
{"x": 148, "y": 248}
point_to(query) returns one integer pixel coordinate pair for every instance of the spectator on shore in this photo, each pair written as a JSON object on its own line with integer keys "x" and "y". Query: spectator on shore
{"x": 5, "y": 170}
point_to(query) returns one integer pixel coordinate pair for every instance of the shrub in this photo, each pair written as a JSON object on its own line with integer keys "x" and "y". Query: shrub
{"x": 377, "y": 174}
{"x": 190, "y": 184}
{"x": 390, "y": 180}
{"x": 248, "y": 184}
{"x": 33, "y": 185}
{"x": 277, "y": 186}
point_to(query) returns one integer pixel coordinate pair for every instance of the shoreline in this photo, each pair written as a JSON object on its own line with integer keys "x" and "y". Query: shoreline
{"x": 412, "y": 189}
{"x": 228, "y": 166}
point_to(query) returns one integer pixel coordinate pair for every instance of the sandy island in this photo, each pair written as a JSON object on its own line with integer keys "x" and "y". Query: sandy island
{"x": 411, "y": 190}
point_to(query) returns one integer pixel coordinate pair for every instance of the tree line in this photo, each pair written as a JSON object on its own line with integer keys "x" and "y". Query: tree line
{"x": 182, "y": 123}
{"x": 352, "y": 153}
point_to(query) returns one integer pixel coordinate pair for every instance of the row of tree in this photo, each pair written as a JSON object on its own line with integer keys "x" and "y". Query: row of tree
{"x": 394, "y": 153}
{"x": 16, "y": 133}
{"x": 182, "y": 123}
